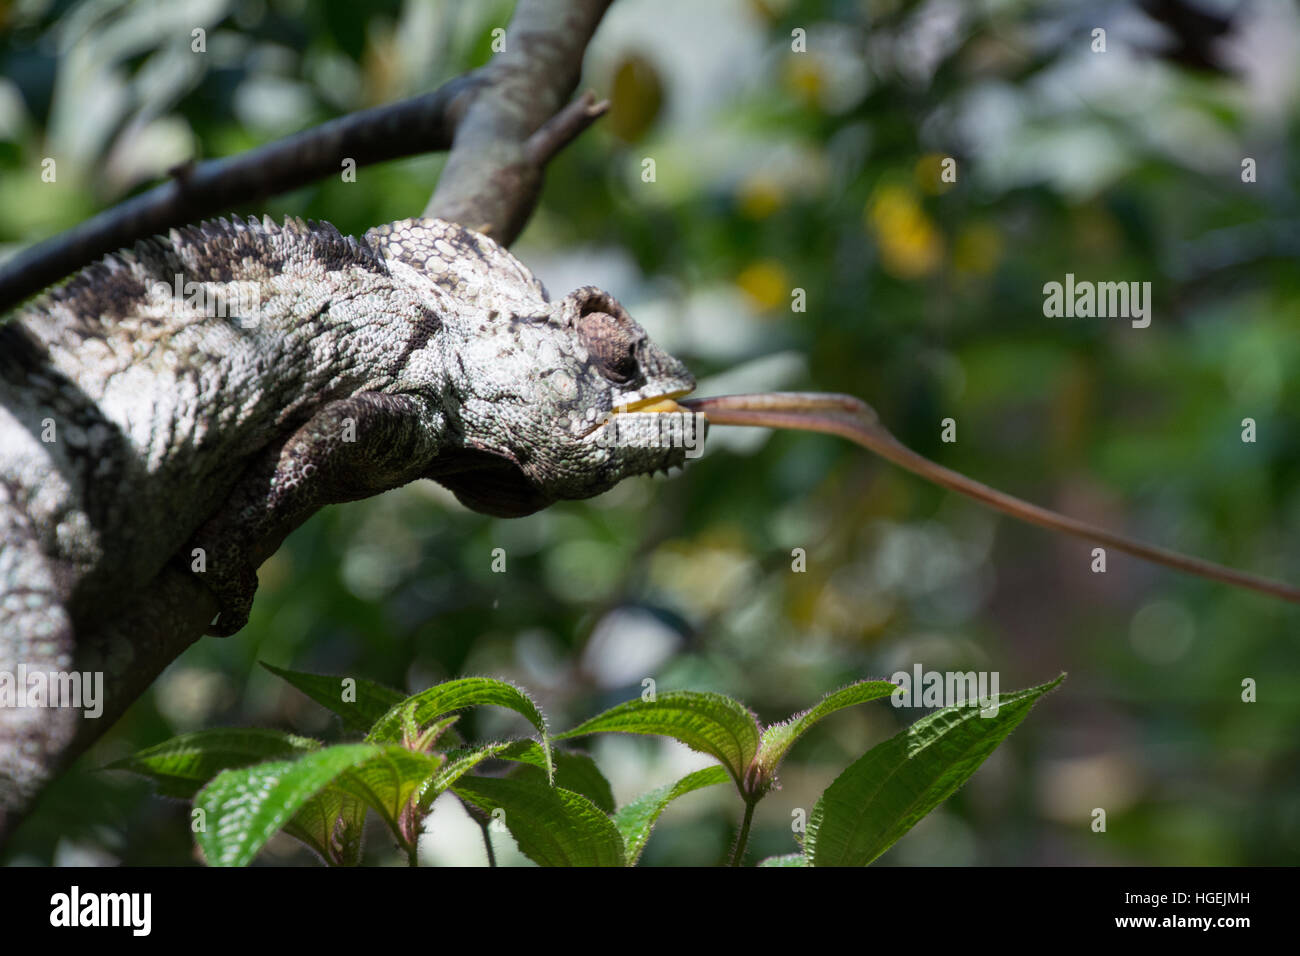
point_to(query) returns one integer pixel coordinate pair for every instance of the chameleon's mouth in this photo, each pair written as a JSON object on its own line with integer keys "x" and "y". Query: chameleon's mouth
{"x": 654, "y": 405}
{"x": 659, "y": 404}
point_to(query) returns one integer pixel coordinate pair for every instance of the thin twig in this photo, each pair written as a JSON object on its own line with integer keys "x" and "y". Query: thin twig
{"x": 196, "y": 190}
{"x": 564, "y": 127}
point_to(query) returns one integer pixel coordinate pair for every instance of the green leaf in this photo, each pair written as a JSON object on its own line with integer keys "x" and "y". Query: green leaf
{"x": 388, "y": 781}
{"x": 579, "y": 773}
{"x": 573, "y": 771}
{"x": 245, "y": 807}
{"x": 778, "y": 738}
{"x": 788, "y": 859}
{"x": 635, "y": 820}
{"x": 410, "y": 729}
{"x": 181, "y": 766}
{"x": 442, "y": 699}
{"x": 710, "y": 723}
{"x": 332, "y": 824}
{"x": 372, "y": 700}
{"x": 426, "y": 740}
{"x": 459, "y": 764}
{"x": 553, "y": 826}
{"x": 884, "y": 793}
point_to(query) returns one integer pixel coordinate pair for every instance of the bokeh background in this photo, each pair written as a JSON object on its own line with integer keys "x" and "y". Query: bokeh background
{"x": 776, "y": 171}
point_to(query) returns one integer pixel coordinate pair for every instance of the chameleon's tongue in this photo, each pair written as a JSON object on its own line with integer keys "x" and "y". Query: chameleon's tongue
{"x": 855, "y": 420}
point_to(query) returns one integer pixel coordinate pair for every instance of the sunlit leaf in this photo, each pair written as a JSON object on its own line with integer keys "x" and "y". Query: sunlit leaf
{"x": 884, "y": 793}
{"x": 710, "y": 723}
{"x": 387, "y": 782}
{"x": 788, "y": 859}
{"x": 778, "y": 738}
{"x": 181, "y": 766}
{"x": 553, "y": 826}
{"x": 573, "y": 771}
{"x": 443, "y": 699}
{"x": 637, "y": 819}
{"x": 332, "y": 823}
{"x": 372, "y": 700}
{"x": 243, "y": 808}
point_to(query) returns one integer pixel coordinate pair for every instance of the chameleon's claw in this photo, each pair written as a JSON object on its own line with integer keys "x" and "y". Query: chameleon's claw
{"x": 234, "y": 593}
{"x": 228, "y": 621}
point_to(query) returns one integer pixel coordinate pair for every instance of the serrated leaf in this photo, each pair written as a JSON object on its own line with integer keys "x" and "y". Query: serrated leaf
{"x": 245, "y": 807}
{"x": 884, "y": 793}
{"x": 573, "y": 771}
{"x": 387, "y": 782}
{"x": 332, "y": 824}
{"x": 373, "y": 700}
{"x": 788, "y": 859}
{"x": 460, "y": 763}
{"x": 579, "y": 773}
{"x": 778, "y": 738}
{"x": 442, "y": 699}
{"x": 636, "y": 819}
{"x": 433, "y": 733}
{"x": 181, "y": 766}
{"x": 410, "y": 729}
{"x": 710, "y": 723}
{"x": 553, "y": 826}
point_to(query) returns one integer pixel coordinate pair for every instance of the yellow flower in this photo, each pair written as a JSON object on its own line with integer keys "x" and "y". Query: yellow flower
{"x": 766, "y": 283}
{"x": 910, "y": 245}
{"x": 803, "y": 76}
{"x": 759, "y": 196}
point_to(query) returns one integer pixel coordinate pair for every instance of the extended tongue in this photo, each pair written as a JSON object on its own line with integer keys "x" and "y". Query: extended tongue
{"x": 855, "y": 420}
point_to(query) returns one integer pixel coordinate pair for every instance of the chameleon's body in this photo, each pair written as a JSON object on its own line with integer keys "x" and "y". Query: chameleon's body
{"x": 184, "y": 406}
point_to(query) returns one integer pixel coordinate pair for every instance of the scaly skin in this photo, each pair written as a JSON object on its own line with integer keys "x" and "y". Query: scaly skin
{"x": 146, "y": 433}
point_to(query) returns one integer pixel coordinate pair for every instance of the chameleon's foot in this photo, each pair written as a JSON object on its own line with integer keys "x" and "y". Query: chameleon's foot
{"x": 234, "y": 592}
{"x": 228, "y": 621}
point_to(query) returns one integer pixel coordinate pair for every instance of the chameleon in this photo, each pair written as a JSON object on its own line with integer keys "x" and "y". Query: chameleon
{"x": 189, "y": 402}
{"x": 179, "y": 408}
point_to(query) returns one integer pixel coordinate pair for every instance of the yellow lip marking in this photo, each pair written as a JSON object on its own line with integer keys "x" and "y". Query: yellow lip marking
{"x": 660, "y": 403}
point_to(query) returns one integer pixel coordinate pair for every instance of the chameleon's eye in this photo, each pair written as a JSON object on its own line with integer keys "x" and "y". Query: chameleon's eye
{"x": 612, "y": 345}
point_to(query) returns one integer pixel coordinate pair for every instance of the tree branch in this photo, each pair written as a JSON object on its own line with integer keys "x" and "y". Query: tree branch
{"x": 494, "y": 174}
{"x": 492, "y": 179}
{"x": 195, "y": 191}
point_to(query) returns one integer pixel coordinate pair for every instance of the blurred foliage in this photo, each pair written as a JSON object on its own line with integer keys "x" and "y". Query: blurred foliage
{"x": 778, "y": 170}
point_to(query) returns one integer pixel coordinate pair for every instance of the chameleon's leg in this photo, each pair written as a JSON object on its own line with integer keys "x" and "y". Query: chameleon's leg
{"x": 35, "y": 631}
{"x": 351, "y": 448}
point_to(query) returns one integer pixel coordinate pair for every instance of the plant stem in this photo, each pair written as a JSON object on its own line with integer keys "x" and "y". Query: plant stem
{"x": 487, "y": 842}
{"x": 412, "y": 847}
{"x": 738, "y": 854}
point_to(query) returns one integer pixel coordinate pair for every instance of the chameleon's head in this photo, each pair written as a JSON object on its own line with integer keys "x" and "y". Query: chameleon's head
{"x": 546, "y": 400}
{"x": 565, "y": 403}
